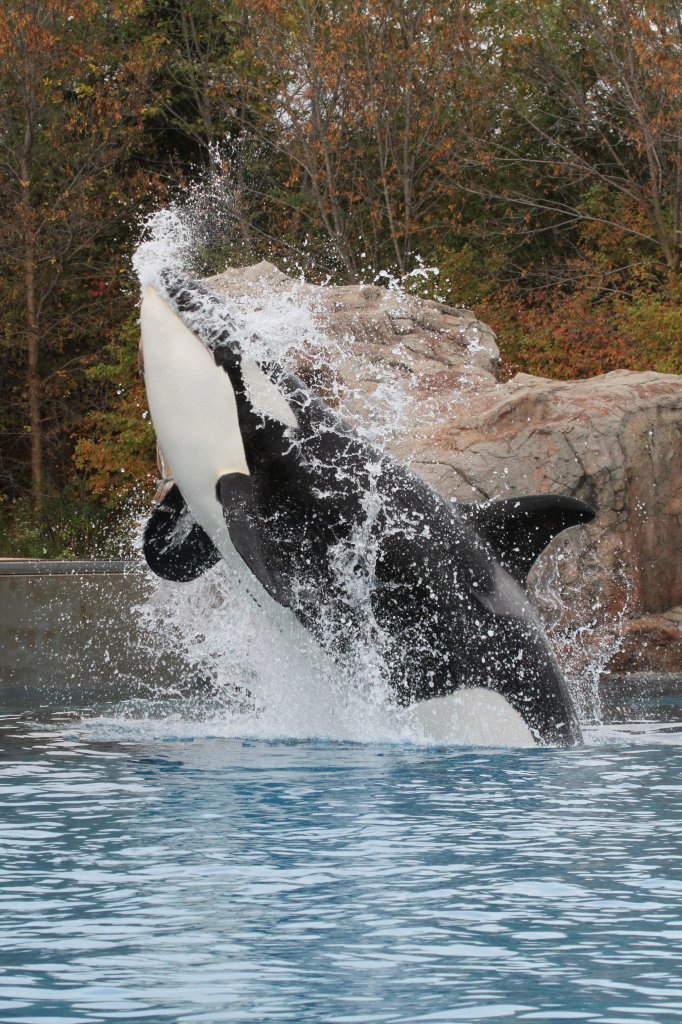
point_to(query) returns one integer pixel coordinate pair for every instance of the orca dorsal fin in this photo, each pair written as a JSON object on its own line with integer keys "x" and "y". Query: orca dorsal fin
{"x": 174, "y": 545}
{"x": 519, "y": 529}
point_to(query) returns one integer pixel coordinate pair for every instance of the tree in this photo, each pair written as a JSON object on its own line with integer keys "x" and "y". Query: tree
{"x": 589, "y": 121}
{"x": 368, "y": 97}
{"x": 74, "y": 83}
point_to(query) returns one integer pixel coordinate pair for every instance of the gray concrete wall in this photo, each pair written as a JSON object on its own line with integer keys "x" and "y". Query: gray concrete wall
{"x": 69, "y": 632}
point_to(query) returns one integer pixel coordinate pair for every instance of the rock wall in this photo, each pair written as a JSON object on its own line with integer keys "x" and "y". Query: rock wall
{"x": 614, "y": 440}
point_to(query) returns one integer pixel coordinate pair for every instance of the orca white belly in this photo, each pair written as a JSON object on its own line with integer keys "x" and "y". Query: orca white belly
{"x": 194, "y": 412}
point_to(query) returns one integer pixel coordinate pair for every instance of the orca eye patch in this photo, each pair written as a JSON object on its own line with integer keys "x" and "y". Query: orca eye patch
{"x": 265, "y": 397}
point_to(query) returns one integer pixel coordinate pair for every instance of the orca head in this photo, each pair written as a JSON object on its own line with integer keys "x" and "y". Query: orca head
{"x": 192, "y": 405}
{"x": 203, "y": 401}
{"x": 212, "y": 321}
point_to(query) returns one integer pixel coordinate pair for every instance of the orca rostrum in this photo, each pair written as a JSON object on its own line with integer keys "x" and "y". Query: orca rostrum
{"x": 340, "y": 533}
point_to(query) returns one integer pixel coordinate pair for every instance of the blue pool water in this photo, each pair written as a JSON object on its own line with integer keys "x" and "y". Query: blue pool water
{"x": 198, "y": 878}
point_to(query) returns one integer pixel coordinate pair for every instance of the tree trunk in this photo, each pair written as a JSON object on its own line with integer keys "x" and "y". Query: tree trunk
{"x": 32, "y": 333}
{"x": 34, "y": 387}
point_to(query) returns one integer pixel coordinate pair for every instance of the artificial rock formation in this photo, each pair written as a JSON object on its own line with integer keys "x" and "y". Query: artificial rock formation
{"x": 613, "y": 440}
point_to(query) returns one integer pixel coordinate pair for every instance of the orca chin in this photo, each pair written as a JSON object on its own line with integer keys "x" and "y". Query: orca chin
{"x": 265, "y": 471}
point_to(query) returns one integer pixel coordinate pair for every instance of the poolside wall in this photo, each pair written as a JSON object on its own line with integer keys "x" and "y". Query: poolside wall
{"x": 70, "y": 629}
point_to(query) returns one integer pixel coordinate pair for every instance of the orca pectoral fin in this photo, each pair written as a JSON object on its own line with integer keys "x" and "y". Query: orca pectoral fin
{"x": 519, "y": 529}
{"x": 174, "y": 545}
{"x": 236, "y": 495}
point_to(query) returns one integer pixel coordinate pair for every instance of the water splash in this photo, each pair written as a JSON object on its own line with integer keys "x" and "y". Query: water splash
{"x": 583, "y": 651}
{"x": 167, "y": 242}
{"x": 255, "y": 670}
{"x": 179, "y": 237}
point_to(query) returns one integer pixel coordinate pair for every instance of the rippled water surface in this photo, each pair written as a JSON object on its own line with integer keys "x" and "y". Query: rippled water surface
{"x": 184, "y": 876}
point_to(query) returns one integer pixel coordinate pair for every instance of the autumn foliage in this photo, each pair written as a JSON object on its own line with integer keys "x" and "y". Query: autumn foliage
{"x": 525, "y": 160}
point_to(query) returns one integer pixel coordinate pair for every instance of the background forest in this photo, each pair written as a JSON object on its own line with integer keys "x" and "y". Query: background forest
{"x": 530, "y": 153}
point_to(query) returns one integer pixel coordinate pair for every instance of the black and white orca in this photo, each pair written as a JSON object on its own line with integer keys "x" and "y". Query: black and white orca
{"x": 264, "y": 469}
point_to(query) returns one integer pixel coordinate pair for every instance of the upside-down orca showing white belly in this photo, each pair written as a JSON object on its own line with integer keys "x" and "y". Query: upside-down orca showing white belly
{"x": 264, "y": 469}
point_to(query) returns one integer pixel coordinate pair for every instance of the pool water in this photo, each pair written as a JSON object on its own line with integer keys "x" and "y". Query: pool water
{"x": 158, "y": 873}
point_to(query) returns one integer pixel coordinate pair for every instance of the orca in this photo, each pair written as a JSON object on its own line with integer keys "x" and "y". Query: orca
{"x": 341, "y": 533}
